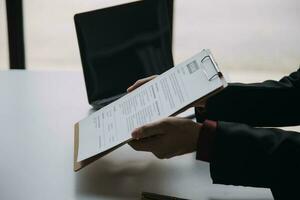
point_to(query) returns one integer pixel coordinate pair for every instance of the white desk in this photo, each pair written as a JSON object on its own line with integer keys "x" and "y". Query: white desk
{"x": 38, "y": 110}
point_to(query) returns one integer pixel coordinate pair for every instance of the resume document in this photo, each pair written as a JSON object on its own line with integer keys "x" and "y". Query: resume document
{"x": 159, "y": 98}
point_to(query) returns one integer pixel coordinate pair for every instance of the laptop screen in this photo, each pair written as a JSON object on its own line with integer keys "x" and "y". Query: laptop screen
{"x": 121, "y": 44}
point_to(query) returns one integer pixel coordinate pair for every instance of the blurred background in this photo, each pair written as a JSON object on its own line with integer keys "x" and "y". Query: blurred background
{"x": 251, "y": 40}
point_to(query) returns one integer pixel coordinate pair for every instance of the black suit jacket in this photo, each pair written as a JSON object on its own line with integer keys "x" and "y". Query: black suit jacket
{"x": 244, "y": 154}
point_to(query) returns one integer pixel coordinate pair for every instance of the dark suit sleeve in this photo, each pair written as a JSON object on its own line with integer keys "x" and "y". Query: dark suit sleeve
{"x": 259, "y": 157}
{"x": 270, "y": 103}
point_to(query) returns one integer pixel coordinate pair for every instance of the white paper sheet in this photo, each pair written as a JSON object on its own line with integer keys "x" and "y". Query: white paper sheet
{"x": 159, "y": 98}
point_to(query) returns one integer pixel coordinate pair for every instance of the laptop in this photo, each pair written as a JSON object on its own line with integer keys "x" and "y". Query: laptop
{"x": 121, "y": 44}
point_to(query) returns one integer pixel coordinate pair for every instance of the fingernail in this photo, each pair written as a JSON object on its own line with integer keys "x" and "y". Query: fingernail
{"x": 134, "y": 134}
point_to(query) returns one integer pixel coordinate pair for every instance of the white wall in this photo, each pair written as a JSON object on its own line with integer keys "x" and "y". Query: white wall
{"x": 3, "y": 37}
{"x": 252, "y": 34}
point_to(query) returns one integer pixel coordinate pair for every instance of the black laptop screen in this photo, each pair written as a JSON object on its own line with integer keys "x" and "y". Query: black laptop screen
{"x": 121, "y": 44}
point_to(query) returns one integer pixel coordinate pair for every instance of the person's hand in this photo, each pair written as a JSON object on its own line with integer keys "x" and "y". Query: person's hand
{"x": 167, "y": 138}
{"x": 140, "y": 82}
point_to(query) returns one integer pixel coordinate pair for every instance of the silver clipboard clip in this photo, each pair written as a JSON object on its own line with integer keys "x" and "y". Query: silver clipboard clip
{"x": 219, "y": 73}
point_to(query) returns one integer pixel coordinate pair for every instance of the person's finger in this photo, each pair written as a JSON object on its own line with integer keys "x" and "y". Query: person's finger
{"x": 140, "y": 82}
{"x": 152, "y": 145}
{"x": 146, "y": 144}
{"x": 148, "y": 130}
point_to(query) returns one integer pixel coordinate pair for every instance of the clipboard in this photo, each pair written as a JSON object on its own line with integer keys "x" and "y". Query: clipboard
{"x": 210, "y": 72}
{"x": 81, "y": 164}
{"x": 78, "y": 165}
{"x": 153, "y": 196}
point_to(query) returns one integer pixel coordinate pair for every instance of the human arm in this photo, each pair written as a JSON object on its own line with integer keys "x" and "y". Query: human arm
{"x": 258, "y": 157}
{"x": 270, "y": 103}
{"x": 238, "y": 154}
